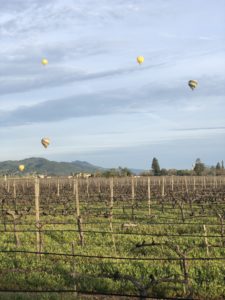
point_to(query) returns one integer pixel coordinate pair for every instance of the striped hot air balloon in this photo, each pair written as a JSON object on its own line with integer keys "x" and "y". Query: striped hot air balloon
{"x": 193, "y": 84}
{"x": 45, "y": 142}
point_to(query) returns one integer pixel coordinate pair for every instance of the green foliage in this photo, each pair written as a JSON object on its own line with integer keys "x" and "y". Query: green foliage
{"x": 164, "y": 172}
{"x": 199, "y": 167}
{"x": 218, "y": 167}
{"x": 183, "y": 173}
{"x": 206, "y": 278}
{"x": 120, "y": 172}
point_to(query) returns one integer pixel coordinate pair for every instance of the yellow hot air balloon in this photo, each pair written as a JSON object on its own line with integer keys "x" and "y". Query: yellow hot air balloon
{"x": 44, "y": 61}
{"x": 21, "y": 168}
{"x": 45, "y": 142}
{"x": 140, "y": 59}
{"x": 193, "y": 84}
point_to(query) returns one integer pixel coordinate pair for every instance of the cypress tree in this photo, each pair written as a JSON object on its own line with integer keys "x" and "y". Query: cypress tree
{"x": 155, "y": 167}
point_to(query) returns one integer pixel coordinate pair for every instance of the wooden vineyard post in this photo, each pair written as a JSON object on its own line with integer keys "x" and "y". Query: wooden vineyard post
{"x": 172, "y": 183}
{"x": 77, "y": 198}
{"x": 163, "y": 187}
{"x": 182, "y": 183}
{"x": 194, "y": 183}
{"x": 186, "y": 185}
{"x": 215, "y": 183}
{"x": 14, "y": 193}
{"x": 111, "y": 211}
{"x": 204, "y": 181}
{"x": 6, "y": 181}
{"x": 49, "y": 186}
{"x": 206, "y": 239}
{"x": 136, "y": 182}
{"x": 162, "y": 193}
{"x": 99, "y": 186}
{"x": 74, "y": 186}
{"x": 58, "y": 187}
{"x": 87, "y": 185}
{"x": 73, "y": 270}
{"x": 149, "y": 196}
{"x": 8, "y": 186}
{"x": 37, "y": 213}
{"x": 79, "y": 218}
{"x": 14, "y": 189}
{"x": 4, "y": 215}
{"x": 132, "y": 196}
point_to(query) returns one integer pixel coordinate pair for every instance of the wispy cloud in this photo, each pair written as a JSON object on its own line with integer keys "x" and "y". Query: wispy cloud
{"x": 166, "y": 100}
{"x": 77, "y": 106}
{"x": 200, "y": 128}
{"x": 59, "y": 76}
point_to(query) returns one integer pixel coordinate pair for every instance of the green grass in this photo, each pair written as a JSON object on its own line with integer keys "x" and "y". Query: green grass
{"x": 28, "y": 271}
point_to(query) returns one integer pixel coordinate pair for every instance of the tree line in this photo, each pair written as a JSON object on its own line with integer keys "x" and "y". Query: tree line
{"x": 198, "y": 169}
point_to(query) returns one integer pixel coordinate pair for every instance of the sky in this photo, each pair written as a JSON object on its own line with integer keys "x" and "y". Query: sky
{"x": 93, "y": 100}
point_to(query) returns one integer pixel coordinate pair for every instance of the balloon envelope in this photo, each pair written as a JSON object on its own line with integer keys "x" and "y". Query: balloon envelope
{"x": 44, "y": 61}
{"x": 140, "y": 59}
{"x": 45, "y": 142}
{"x": 193, "y": 84}
{"x": 21, "y": 167}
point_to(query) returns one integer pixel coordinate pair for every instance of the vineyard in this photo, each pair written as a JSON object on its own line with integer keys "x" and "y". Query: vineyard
{"x": 116, "y": 238}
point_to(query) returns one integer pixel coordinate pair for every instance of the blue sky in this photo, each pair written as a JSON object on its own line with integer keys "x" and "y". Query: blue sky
{"x": 93, "y": 100}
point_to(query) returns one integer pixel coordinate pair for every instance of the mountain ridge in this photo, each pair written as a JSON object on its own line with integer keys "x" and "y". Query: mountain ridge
{"x": 43, "y": 166}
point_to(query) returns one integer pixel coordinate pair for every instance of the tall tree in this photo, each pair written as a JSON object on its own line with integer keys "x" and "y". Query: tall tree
{"x": 155, "y": 167}
{"x": 222, "y": 168}
{"x": 199, "y": 167}
{"x": 218, "y": 167}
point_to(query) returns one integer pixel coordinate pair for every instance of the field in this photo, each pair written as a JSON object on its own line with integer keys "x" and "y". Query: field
{"x": 97, "y": 238}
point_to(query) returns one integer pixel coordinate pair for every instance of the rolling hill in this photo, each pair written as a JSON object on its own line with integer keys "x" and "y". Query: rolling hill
{"x": 44, "y": 166}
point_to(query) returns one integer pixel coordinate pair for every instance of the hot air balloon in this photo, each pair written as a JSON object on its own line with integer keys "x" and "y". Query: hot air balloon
{"x": 193, "y": 84}
{"x": 44, "y": 61}
{"x": 140, "y": 59}
{"x": 21, "y": 167}
{"x": 45, "y": 142}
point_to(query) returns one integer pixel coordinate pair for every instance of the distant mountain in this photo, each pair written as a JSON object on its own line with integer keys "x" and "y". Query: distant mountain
{"x": 44, "y": 166}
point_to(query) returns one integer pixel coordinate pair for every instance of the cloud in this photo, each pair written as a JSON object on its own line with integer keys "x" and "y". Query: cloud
{"x": 39, "y": 16}
{"x": 164, "y": 99}
{"x": 77, "y": 106}
{"x": 200, "y": 128}
{"x": 59, "y": 76}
